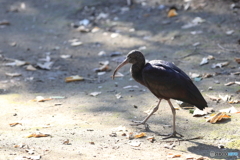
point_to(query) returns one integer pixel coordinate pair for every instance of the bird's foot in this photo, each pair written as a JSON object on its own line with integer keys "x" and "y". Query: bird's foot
{"x": 173, "y": 135}
{"x": 137, "y": 123}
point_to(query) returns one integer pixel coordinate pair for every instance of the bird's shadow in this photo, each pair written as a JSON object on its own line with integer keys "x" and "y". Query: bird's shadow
{"x": 146, "y": 128}
{"x": 213, "y": 151}
{"x": 199, "y": 148}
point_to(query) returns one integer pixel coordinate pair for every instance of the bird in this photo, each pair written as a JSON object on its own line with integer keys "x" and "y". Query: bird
{"x": 166, "y": 81}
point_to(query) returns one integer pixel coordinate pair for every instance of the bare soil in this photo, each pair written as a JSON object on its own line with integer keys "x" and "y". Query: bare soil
{"x": 81, "y": 126}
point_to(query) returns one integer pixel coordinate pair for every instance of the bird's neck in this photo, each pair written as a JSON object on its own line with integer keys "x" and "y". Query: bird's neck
{"x": 136, "y": 71}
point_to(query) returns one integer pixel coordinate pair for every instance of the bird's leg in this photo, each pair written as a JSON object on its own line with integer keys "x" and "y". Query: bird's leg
{"x": 174, "y": 134}
{"x": 143, "y": 122}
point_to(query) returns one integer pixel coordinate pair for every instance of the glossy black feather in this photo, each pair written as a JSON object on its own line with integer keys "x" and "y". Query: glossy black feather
{"x": 167, "y": 81}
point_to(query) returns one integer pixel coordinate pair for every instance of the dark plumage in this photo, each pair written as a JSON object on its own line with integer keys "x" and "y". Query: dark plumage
{"x": 165, "y": 81}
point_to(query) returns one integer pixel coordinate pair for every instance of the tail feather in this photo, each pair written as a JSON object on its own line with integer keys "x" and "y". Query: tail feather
{"x": 196, "y": 97}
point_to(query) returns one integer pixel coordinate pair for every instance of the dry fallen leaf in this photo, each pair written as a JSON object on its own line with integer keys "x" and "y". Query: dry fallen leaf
{"x": 13, "y": 74}
{"x": 46, "y": 65}
{"x": 140, "y": 135}
{"x": 101, "y": 73}
{"x": 229, "y": 83}
{"x": 229, "y": 32}
{"x": 214, "y": 118}
{"x": 83, "y": 29}
{"x": 92, "y": 143}
{"x": 94, "y": 94}
{"x": 104, "y": 67}
{"x": 235, "y": 73}
{"x": 151, "y": 139}
{"x": 218, "y": 117}
{"x": 41, "y": 99}
{"x": 31, "y": 68}
{"x": 234, "y": 101}
{"x": 66, "y": 142}
{"x": 207, "y": 75}
{"x": 13, "y": 44}
{"x": 124, "y": 134}
{"x": 204, "y": 61}
{"x": 16, "y": 63}
{"x": 38, "y": 135}
{"x": 214, "y": 98}
{"x": 75, "y": 44}
{"x": 225, "y": 98}
{"x": 194, "y": 157}
{"x": 102, "y": 53}
{"x": 21, "y": 145}
{"x": 229, "y": 110}
{"x": 195, "y": 75}
{"x": 210, "y": 57}
{"x": 65, "y": 56}
{"x": 95, "y": 29}
{"x": 237, "y": 82}
{"x": 237, "y": 60}
{"x": 47, "y": 59}
{"x": 171, "y": 155}
{"x": 220, "y": 65}
{"x": 172, "y": 12}
{"x": 4, "y": 23}
{"x": 74, "y": 78}
{"x": 14, "y": 124}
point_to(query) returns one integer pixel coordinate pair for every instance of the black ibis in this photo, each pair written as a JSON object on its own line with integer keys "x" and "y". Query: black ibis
{"x": 165, "y": 81}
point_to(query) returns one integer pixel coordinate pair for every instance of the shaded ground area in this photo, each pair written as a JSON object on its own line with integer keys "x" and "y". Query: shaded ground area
{"x": 58, "y": 39}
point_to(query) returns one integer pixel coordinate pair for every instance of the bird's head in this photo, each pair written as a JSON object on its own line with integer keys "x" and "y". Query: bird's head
{"x": 133, "y": 57}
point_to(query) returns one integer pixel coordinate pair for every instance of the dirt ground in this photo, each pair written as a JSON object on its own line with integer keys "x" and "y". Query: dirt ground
{"x": 81, "y": 126}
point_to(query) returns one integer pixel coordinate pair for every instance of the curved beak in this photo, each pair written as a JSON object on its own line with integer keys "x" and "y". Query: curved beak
{"x": 119, "y": 66}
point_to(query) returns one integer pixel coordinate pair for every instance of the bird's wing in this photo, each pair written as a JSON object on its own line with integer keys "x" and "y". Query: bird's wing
{"x": 165, "y": 80}
{"x": 169, "y": 65}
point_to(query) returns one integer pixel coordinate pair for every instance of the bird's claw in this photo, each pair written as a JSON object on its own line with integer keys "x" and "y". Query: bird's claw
{"x": 137, "y": 123}
{"x": 173, "y": 135}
